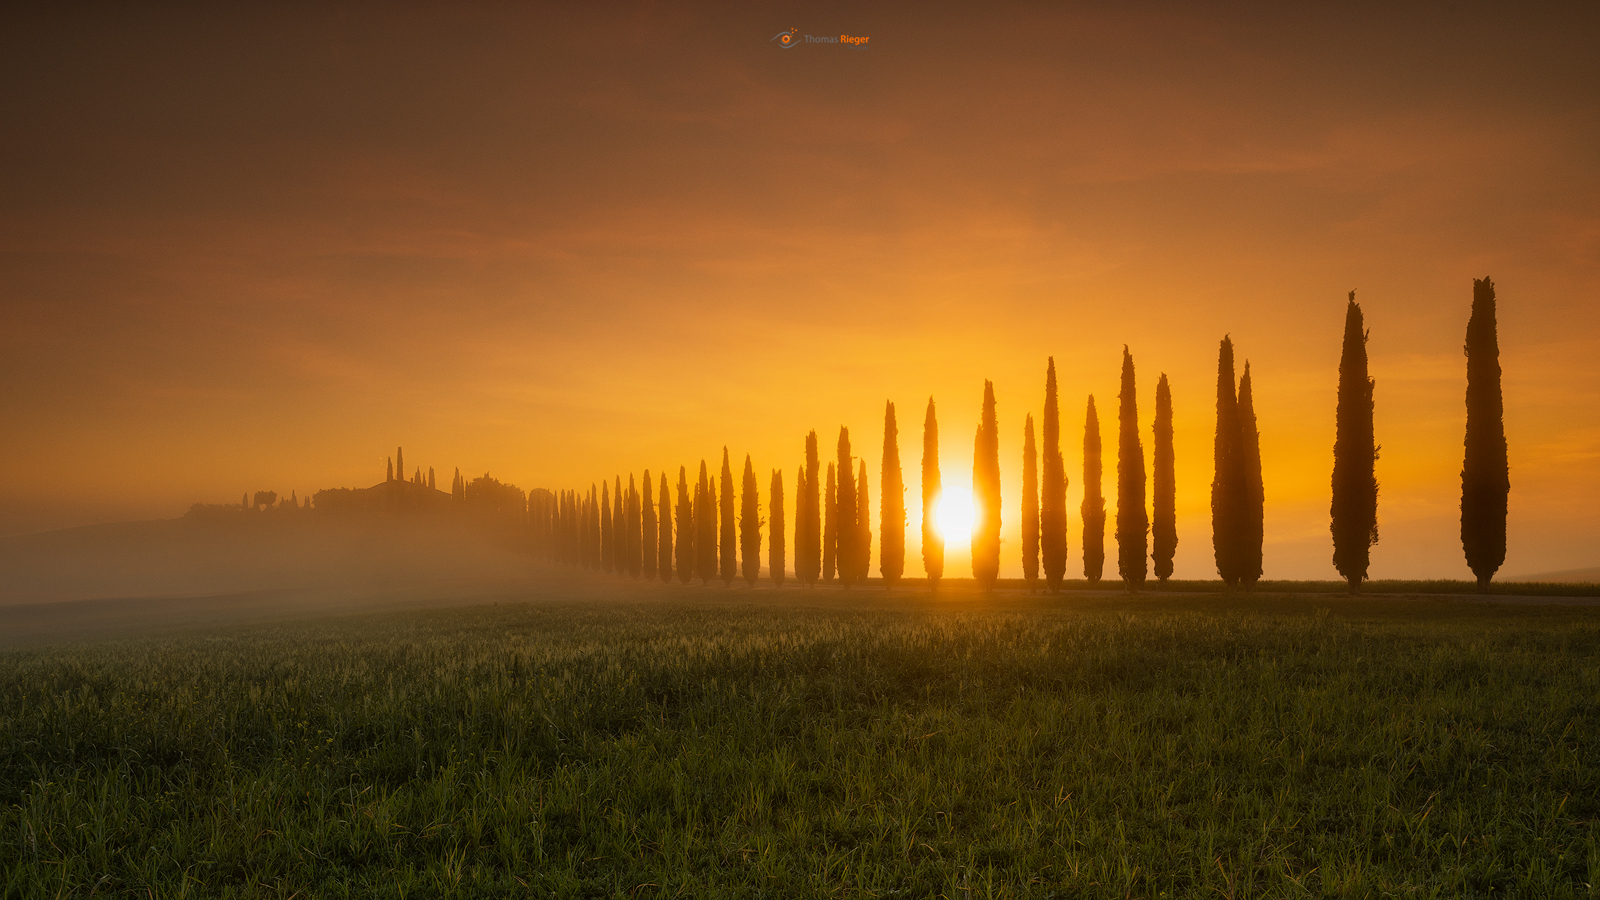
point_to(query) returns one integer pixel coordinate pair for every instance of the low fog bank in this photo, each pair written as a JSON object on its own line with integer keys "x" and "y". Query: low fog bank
{"x": 186, "y": 557}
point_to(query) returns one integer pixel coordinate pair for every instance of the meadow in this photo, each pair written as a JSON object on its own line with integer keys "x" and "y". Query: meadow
{"x": 711, "y": 742}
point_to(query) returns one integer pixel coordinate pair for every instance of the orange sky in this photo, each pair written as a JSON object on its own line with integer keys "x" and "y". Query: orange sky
{"x": 257, "y": 251}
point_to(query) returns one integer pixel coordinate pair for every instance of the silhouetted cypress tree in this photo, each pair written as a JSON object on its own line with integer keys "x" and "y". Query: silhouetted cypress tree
{"x": 775, "y": 560}
{"x": 730, "y": 538}
{"x": 808, "y": 518}
{"x": 1252, "y": 506}
{"x": 705, "y": 520}
{"x": 1053, "y": 489}
{"x": 986, "y": 494}
{"x": 619, "y": 529}
{"x": 635, "y": 545}
{"x": 863, "y": 527}
{"x": 430, "y": 479}
{"x": 1093, "y": 509}
{"x": 664, "y": 533}
{"x": 687, "y": 534}
{"x": 1227, "y": 480}
{"x": 750, "y": 526}
{"x": 389, "y": 469}
{"x": 892, "y": 555}
{"x": 1485, "y": 472}
{"x": 245, "y": 503}
{"x": 1133, "y": 523}
{"x": 1355, "y": 485}
{"x": 1165, "y": 528}
{"x": 848, "y": 551}
{"x": 400, "y": 463}
{"x": 647, "y": 528}
{"x": 932, "y": 537}
{"x": 830, "y": 527}
{"x": 608, "y": 543}
{"x": 1030, "y": 507}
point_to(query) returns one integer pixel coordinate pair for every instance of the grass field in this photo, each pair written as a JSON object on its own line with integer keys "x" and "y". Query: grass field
{"x": 711, "y": 743}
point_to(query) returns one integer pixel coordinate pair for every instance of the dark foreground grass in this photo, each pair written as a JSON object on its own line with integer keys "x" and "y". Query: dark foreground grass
{"x": 1145, "y": 747}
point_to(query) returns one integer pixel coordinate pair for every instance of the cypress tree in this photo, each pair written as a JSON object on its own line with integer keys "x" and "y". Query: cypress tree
{"x": 1165, "y": 527}
{"x": 1252, "y": 505}
{"x": 1227, "y": 496}
{"x": 664, "y": 533}
{"x": 1030, "y": 507}
{"x": 1133, "y": 523}
{"x": 932, "y": 537}
{"x": 775, "y": 561}
{"x": 245, "y": 503}
{"x": 986, "y": 494}
{"x": 400, "y": 463}
{"x": 619, "y": 531}
{"x": 1485, "y": 471}
{"x": 808, "y": 518}
{"x": 635, "y": 544}
{"x": 389, "y": 471}
{"x": 1354, "y": 511}
{"x": 431, "y": 485}
{"x": 686, "y": 529}
{"x": 830, "y": 528}
{"x": 705, "y": 520}
{"x": 647, "y": 528}
{"x": 846, "y": 528}
{"x": 892, "y": 527}
{"x": 608, "y": 542}
{"x": 594, "y": 528}
{"x": 750, "y": 526}
{"x": 1093, "y": 508}
{"x": 730, "y": 537}
{"x": 863, "y": 526}
{"x": 1053, "y": 489}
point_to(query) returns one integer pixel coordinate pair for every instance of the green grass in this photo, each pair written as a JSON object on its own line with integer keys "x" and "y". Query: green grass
{"x": 700, "y": 744}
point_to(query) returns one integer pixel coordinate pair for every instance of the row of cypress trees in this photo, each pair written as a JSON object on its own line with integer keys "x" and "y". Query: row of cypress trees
{"x": 1485, "y": 468}
{"x": 619, "y": 530}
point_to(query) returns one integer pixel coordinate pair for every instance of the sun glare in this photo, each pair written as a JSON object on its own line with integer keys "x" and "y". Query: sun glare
{"x": 956, "y": 514}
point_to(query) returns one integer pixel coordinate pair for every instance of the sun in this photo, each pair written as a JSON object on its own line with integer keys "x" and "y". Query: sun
{"x": 956, "y": 514}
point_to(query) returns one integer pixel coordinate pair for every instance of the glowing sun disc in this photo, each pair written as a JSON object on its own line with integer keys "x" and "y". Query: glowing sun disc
{"x": 956, "y": 514}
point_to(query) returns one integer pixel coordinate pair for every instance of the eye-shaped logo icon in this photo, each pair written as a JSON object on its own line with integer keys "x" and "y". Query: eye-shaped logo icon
{"x": 788, "y": 40}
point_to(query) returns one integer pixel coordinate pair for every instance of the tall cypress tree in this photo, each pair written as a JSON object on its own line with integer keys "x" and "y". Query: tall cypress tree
{"x": 749, "y": 526}
{"x": 1093, "y": 509}
{"x": 730, "y": 537}
{"x": 892, "y": 527}
{"x": 932, "y": 537}
{"x": 664, "y": 532}
{"x": 635, "y": 544}
{"x": 1164, "y": 531}
{"x": 1227, "y": 496}
{"x": 1354, "y": 511}
{"x": 830, "y": 527}
{"x": 619, "y": 530}
{"x": 1252, "y": 506}
{"x": 863, "y": 526}
{"x": 1485, "y": 472}
{"x": 986, "y": 494}
{"x": 808, "y": 518}
{"x": 647, "y": 528}
{"x": 1053, "y": 489}
{"x": 608, "y": 542}
{"x": 775, "y": 560}
{"x": 848, "y": 551}
{"x": 1030, "y": 507}
{"x": 1133, "y": 523}
{"x": 705, "y": 521}
{"x": 687, "y": 555}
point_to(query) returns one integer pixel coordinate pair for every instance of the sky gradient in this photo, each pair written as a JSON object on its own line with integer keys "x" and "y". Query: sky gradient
{"x": 249, "y": 251}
